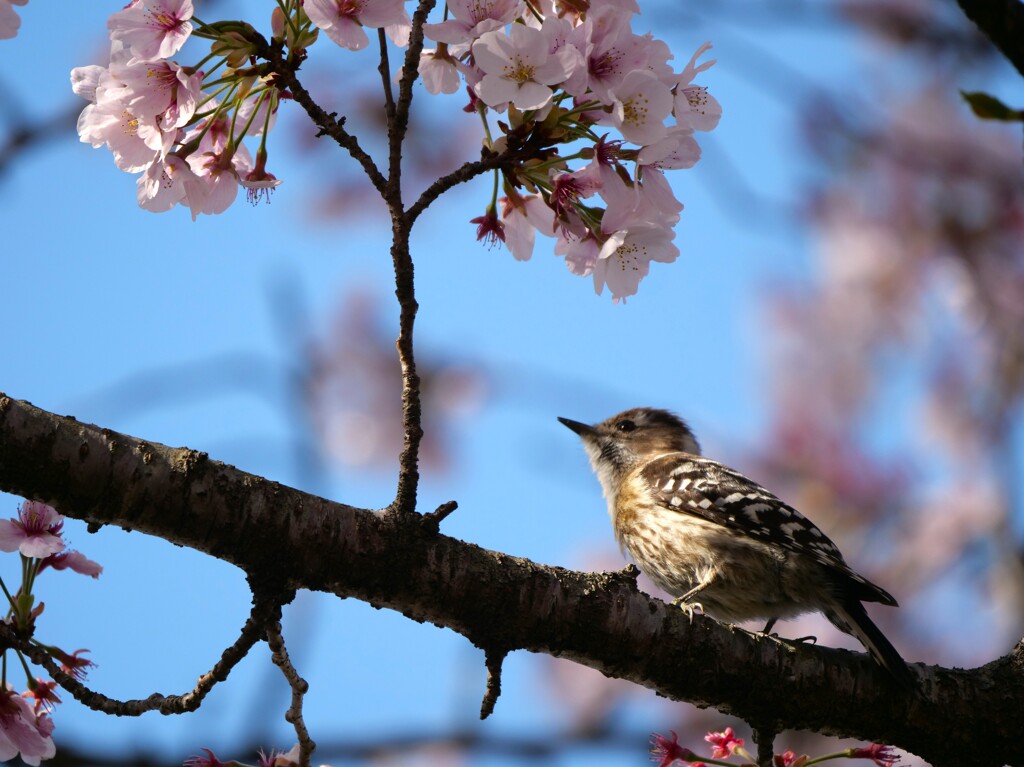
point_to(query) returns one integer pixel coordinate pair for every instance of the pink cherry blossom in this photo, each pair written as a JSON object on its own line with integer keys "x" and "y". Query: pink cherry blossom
{"x": 694, "y": 106}
{"x": 725, "y": 743}
{"x": 522, "y": 218}
{"x": 580, "y": 252}
{"x": 152, "y": 29}
{"x": 169, "y": 182}
{"x": 625, "y": 258}
{"x": 438, "y": 71}
{"x": 72, "y": 560}
{"x": 343, "y": 20}
{"x": 640, "y": 104}
{"x": 471, "y": 19}
{"x": 72, "y": 663}
{"x": 35, "y": 533}
{"x": 220, "y": 173}
{"x": 42, "y": 695}
{"x": 288, "y": 758}
{"x": 259, "y": 184}
{"x": 85, "y": 79}
{"x": 567, "y": 190}
{"x": 210, "y": 760}
{"x": 881, "y": 755}
{"x": 135, "y": 140}
{"x": 666, "y": 752}
{"x": 489, "y": 229}
{"x": 677, "y": 149}
{"x": 159, "y": 89}
{"x": 22, "y": 732}
{"x": 614, "y": 52}
{"x": 10, "y": 23}
{"x": 518, "y": 67}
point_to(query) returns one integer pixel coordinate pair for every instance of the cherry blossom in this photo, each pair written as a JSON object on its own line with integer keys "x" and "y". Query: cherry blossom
{"x": 677, "y": 149}
{"x": 488, "y": 228}
{"x": 725, "y": 743}
{"x": 210, "y": 760}
{"x": 518, "y": 67}
{"x": 694, "y": 106}
{"x": 10, "y": 23}
{"x": 613, "y": 53}
{"x": 159, "y": 89}
{"x": 521, "y": 218}
{"x": 72, "y": 560}
{"x": 640, "y": 105}
{"x": 625, "y": 257}
{"x": 881, "y": 755}
{"x": 438, "y": 71}
{"x": 471, "y": 19}
{"x": 135, "y": 140}
{"x": 72, "y": 663}
{"x": 152, "y": 29}
{"x": 35, "y": 533}
{"x": 220, "y": 173}
{"x": 557, "y": 68}
{"x": 343, "y": 20}
{"x": 22, "y": 732}
{"x": 666, "y": 752}
{"x": 580, "y": 252}
{"x": 169, "y": 182}
{"x": 42, "y": 693}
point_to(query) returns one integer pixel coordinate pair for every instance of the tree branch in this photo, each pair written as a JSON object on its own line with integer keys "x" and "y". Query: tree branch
{"x": 326, "y": 122}
{"x": 497, "y": 600}
{"x": 263, "y": 612}
{"x": 1002, "y": 22}
{"x": 299, "y": 688}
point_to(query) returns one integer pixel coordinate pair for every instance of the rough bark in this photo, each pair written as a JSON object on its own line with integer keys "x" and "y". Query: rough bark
{"x": 502, "y": 603}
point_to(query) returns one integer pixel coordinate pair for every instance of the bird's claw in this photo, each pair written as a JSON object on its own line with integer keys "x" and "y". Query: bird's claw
{"x": 688, "y": 608}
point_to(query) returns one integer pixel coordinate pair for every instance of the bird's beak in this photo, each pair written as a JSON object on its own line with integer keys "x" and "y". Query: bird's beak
{"x": 580, "y": 428}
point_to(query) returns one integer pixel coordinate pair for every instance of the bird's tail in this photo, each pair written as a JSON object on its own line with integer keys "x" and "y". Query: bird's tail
{"x": 851, "y": 618}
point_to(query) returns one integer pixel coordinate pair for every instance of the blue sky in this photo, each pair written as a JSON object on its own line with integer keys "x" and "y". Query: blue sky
{"x": 99, "y": 292}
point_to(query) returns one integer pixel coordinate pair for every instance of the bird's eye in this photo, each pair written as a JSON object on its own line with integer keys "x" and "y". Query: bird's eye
{"x": 625, "y": 425}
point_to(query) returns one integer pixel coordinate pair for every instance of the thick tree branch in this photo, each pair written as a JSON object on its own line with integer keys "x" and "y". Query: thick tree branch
{"x": 497, "y": 600}
{"x": 1002, "y": 21}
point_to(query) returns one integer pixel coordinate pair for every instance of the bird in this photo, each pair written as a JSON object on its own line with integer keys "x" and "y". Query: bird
{"x": 718, "y": 541}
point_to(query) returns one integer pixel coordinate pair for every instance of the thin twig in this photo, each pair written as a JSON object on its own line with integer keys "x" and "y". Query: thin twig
{"x": 279, "y": 654}
{"x": 410, "y": 72}
{"x": 385, "y": 76}
{"x": 263, "y": 612}
{"x": 494, "y": 660}
{"x": 434, "y": 519}
{"x": 405, "y": 290}
{"x": 329, "y": 126}
{"x": 462, "y": 174}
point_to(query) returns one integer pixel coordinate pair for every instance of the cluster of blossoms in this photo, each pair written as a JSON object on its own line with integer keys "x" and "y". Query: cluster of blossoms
{"x": 568, "y": 72}
{"x": 26, "y": 725}
{"x": 181, "y": 127}
{"x": 561, "y": 73}
{"x": 9, "y": 20}
{"x": 667, "y": 752}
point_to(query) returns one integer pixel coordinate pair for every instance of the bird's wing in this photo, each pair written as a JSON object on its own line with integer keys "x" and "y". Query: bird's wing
{"x": 704, "y": 488}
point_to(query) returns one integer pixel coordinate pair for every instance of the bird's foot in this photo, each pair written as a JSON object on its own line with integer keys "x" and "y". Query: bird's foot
{"x": 689, "y": 608}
